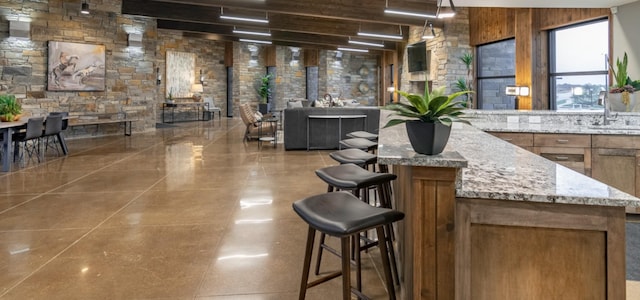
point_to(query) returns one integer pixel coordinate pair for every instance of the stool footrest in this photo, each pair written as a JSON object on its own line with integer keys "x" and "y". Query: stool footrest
{"x": 324, "y": 279}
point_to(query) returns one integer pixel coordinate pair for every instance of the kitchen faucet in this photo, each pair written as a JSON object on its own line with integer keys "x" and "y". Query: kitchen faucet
{"x": 606, "y": 117}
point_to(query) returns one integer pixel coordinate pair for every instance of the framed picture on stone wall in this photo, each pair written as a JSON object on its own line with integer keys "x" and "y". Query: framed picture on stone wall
{"x": 180, "y": 74}
{"x": 76, "y": 67}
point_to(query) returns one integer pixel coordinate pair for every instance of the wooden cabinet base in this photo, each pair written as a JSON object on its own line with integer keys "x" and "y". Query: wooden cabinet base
{"x": 521, "y": 250}
{"x": 465, "y": 249}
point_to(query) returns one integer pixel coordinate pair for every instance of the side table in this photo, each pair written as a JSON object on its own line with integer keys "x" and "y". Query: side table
{"x": 274, "y": 137}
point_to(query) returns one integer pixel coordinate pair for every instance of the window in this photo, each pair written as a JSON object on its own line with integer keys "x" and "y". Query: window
{"x": 578, "y": 69}
{"x": 496, "y": 70}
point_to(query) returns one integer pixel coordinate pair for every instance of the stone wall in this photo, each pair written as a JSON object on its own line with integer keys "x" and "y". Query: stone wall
{"x": 209, "y": 61}
{"x": 349, "y": 75}
{"x": 450, "y": 43}
{"x": 129, "y": 70}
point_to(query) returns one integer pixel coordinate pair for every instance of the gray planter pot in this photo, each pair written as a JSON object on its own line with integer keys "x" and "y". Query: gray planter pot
{"x": 264, "y": 108}
{"x": 428, "y": 138}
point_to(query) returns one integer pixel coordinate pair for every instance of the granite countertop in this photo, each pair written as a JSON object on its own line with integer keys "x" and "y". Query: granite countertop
{"x": 563, "y": 128}
{"x": 494, "y": 169}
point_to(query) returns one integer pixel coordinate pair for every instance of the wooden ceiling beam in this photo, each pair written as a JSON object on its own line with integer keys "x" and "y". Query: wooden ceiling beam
{"x": 354, "y": 10}
{"x": 277, "y": 37}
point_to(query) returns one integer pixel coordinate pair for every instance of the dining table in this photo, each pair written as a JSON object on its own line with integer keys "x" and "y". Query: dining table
{"x": 8, "y": 128}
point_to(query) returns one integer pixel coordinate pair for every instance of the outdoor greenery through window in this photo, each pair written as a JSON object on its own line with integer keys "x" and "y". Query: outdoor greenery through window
{"x": 578, "y": 65}
{"x": 496, "y": 70}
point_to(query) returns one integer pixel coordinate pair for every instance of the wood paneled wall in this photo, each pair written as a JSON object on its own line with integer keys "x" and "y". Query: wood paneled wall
{"x": 529, "y": 26}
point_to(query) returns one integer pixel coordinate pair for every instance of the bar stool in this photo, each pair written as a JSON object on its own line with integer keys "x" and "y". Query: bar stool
{"x": 343, "y": 215}
{"x": 363, "y": 134}
{"x": 352, "y": 178}
{"x": 354, "y": 156}
{"x": 359, "y": 143}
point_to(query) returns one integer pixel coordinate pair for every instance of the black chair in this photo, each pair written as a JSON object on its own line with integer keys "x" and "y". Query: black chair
{"x": 343, "y": 215}
{"x": 60, "y": 135}
{"x": 29, "y": 141}
{"x": 52, "y": 128}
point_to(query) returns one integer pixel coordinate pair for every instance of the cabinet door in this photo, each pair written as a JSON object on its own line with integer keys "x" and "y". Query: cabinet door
{"x": 615, "y": 167}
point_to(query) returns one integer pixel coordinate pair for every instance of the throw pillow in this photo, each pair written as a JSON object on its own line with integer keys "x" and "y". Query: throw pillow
{"x": 294, "y": 104}
{"x": 257, "y": 116}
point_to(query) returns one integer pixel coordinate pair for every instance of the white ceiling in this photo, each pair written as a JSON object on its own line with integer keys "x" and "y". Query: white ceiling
{"x": 541, "y": 3}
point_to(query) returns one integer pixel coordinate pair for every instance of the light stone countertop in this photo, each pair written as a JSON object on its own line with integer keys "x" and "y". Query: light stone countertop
{"x": 494, "y": 169}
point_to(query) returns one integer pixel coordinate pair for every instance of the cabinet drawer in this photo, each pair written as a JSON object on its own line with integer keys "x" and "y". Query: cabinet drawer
{"x": 562, "y": 140}
{"x": 616, "y": 141}
{"x": 562, "y": 157}
{"x": 523, "y": 140}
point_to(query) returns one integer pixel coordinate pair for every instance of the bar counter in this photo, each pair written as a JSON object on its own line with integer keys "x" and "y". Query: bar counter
{"x": 488, "y": 220}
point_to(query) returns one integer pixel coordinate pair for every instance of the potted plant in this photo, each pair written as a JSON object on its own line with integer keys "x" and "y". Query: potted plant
{"x": 466, "y": 84}
{"x": 428, "y": 118}
{"x": 10, "y": 109}
{"x": 621, "y": 94}
{"x": 264, "y": 91}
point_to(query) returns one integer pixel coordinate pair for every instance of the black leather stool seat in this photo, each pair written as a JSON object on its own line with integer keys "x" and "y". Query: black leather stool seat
{"x": 354, "y": 156}
{"x": 358, "y": 143}
{"x": 342, "y": 214}
{"x": 363, "y": 134}
{"x": 351, "y": 177}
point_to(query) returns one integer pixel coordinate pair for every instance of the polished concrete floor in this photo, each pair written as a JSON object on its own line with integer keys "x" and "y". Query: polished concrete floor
{"x": 186, "y": 212}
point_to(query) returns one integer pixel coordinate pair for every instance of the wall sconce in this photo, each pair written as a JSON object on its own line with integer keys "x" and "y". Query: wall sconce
{"x": 391, "y": 89}
{"x": 517, "y": 91}
{"x": 134, "y": 39}
{"x": 201, "y": 77}
{"x": 338, "y": 55}
{"x": 158, "y": 76}
{"x": 20, "y": 30}
{"x": 84, "y": 9}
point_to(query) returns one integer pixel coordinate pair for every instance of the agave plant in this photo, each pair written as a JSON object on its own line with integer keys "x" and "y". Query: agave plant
{"x": 432, "y": 107}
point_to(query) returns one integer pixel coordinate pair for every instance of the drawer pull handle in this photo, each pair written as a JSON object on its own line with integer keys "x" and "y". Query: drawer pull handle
{"x": 562, "y": 158}
{"x": 562, "y": 141}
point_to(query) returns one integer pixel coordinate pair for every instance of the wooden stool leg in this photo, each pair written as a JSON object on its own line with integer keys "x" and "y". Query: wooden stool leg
{"x": 320, "y": 249}
{"x": 346, "y": 268}
{"x": 384, "y": 254}
{"x": 311, "y": 235}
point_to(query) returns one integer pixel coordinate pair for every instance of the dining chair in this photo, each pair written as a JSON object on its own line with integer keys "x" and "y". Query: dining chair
{"x": 52, "y": 128}
{"x": 29, "y": 141}
{"x": 210, "y": 109}
{"x": 60, "y": 135}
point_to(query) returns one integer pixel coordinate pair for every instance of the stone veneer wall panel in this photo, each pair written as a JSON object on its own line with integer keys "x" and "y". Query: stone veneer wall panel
{"x": 343, "y": 77}
{"x": 209, "y": 59}
{"x": 450, "y": 43}
{"x": 129, "y": 70}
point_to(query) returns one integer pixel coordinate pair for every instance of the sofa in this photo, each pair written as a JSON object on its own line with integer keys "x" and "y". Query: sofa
{"x": 323, "y": 130}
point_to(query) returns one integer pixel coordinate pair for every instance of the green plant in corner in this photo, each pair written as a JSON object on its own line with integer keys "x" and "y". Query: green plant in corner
{"x": 264, "y": 90}
{"x": 9, "y": 107}
{"x": 466, "y": 84}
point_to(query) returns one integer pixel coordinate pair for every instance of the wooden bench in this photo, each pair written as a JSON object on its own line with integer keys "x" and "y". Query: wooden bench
{"x": 99, "y": 119}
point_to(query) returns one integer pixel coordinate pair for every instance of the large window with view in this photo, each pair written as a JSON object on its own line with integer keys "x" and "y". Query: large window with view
{"x": 578, "y": 68}
{"x": 496, "y": 70}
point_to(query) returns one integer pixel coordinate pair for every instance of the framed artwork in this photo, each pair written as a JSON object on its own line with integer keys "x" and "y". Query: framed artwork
{"x": 76, "y": 67}
{"x": 180, "y": 74}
